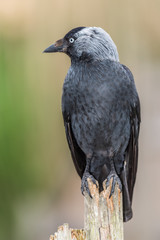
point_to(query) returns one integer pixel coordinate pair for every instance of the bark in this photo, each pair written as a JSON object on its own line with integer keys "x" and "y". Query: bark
{"x": 103, "y": 217}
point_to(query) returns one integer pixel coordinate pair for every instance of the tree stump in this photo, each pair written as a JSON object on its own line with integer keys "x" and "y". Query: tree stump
{"x": 103, "y": 217}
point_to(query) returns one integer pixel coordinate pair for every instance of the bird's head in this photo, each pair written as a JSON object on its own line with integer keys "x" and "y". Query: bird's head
{"x": 86, "y": 43}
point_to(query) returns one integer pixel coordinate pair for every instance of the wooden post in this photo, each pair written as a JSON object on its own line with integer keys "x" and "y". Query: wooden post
{"x": 103, "y": 217}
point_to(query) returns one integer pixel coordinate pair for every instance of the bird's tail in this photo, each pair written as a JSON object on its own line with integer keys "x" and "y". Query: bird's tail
{"x": 127, "y": 208}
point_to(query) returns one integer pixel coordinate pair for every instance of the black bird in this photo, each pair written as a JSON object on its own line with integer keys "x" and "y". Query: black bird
{"x": 101, "y": 111}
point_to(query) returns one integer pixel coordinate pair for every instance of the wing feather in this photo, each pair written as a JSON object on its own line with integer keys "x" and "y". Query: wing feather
{"x": 132, "y": 149}
{"x": 77, "y": 154}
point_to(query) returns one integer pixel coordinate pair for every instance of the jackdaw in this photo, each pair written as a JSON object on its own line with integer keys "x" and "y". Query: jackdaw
{"x": 101, "y": 112}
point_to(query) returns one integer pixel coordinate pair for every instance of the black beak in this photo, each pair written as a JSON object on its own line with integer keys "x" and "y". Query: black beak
{"x": 57, "y": 47}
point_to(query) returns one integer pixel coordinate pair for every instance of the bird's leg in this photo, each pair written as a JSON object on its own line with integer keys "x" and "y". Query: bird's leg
{"x": 113, "y": 175}
{"x": 86, "y": 175}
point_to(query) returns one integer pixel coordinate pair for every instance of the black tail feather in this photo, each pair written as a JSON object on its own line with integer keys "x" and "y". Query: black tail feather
{"x": 127, "y": 209}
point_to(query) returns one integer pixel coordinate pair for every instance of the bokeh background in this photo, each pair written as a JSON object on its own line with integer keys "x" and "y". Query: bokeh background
{"x": 39, "y": 189}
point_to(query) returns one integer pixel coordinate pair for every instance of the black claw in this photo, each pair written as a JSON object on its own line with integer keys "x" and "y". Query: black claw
{"x": 114, "y": 181}
{"x": 84, "y": 183}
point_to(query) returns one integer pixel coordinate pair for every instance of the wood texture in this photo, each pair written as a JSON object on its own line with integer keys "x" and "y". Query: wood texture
{"x": 103, "y": 217}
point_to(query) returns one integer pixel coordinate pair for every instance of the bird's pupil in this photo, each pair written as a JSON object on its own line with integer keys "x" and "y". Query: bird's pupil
{"x": 71, "y": 40}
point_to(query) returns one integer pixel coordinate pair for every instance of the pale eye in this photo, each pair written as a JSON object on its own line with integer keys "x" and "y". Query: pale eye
{"x": 71, "y": 40}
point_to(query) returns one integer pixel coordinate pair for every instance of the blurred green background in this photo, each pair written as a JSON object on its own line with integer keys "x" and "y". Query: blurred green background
{"x": 39, "y": 188}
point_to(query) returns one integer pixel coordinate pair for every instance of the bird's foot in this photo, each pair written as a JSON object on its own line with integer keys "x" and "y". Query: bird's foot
{"x": 113, "y": 175}
{"x": 84, "y": 184}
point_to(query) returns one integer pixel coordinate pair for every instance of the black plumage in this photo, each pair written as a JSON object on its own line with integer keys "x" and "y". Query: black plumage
{"x": 101, "y": 112}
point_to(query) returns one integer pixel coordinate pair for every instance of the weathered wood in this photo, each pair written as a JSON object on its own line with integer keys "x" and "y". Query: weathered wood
{"x": 66, "y": 233}
{"x": 103, "y": 217}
